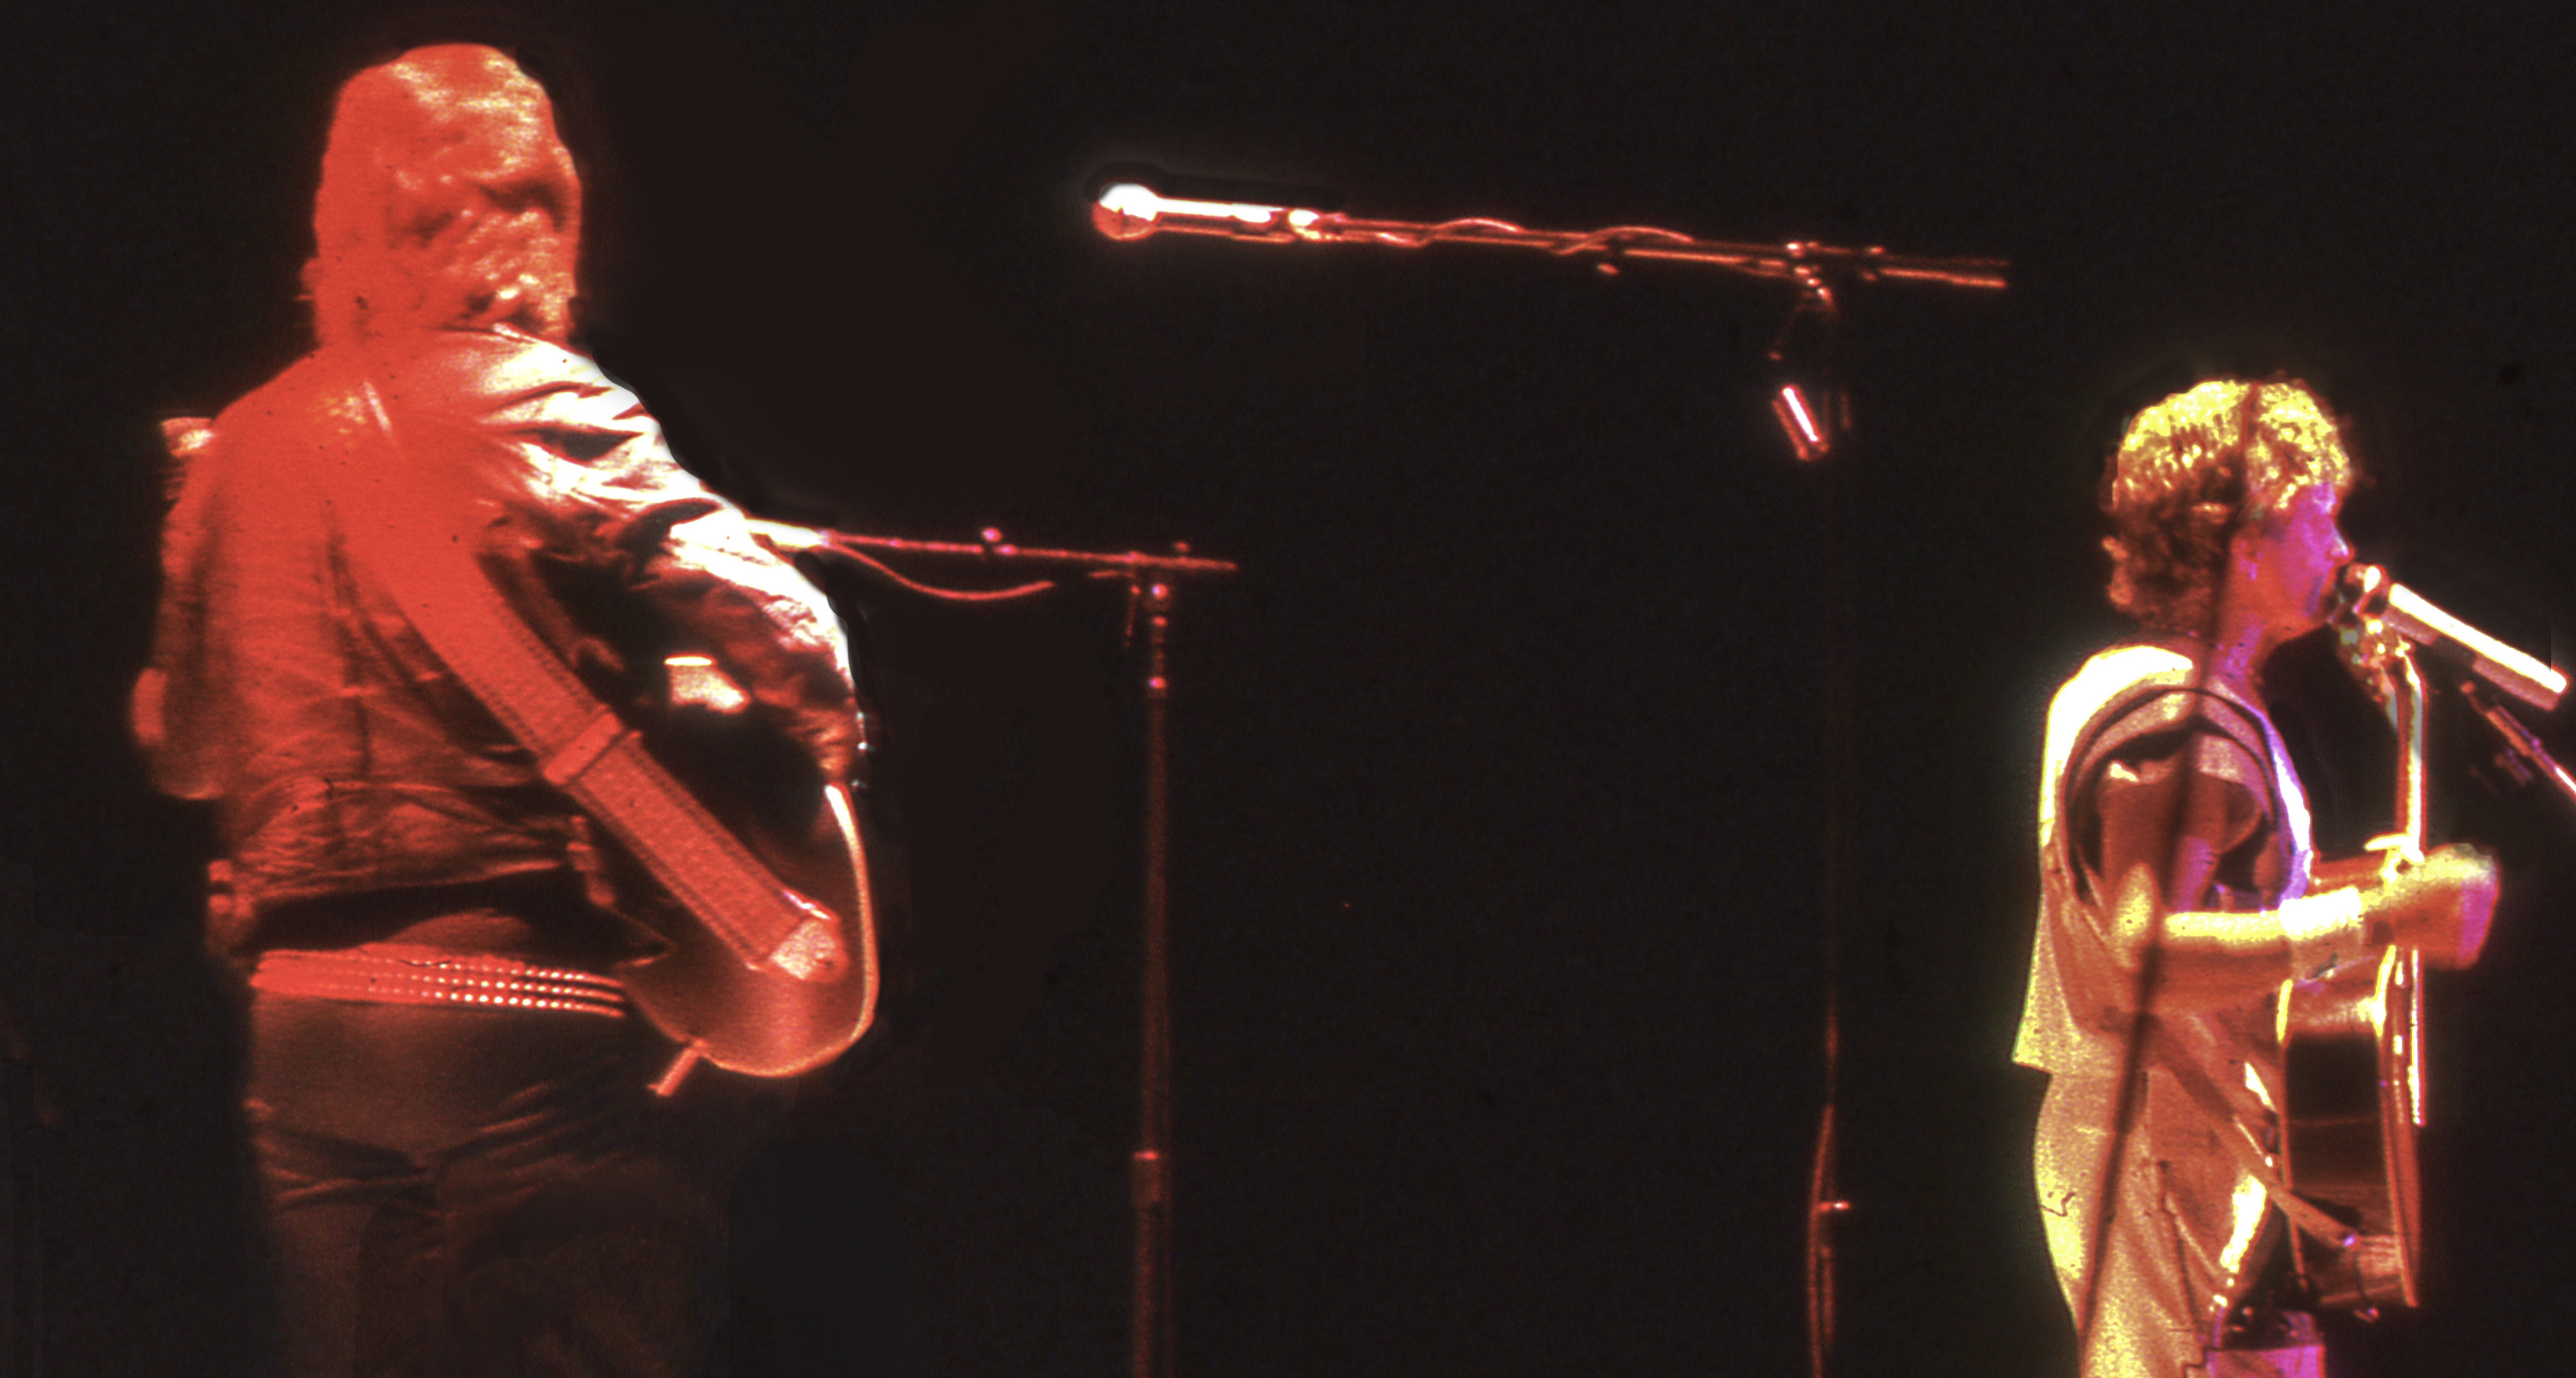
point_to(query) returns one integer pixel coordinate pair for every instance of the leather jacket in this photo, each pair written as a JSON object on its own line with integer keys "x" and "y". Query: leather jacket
{"x": 341, "y": 755}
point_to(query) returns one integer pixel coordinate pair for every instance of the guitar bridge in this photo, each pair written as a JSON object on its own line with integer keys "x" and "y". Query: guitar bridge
{"x": 815, "y": 946}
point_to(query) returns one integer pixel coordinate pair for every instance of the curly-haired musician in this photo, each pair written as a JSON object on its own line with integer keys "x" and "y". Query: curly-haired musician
{"x": 465, "y": 1167}
{"x": 2176, "y": 894}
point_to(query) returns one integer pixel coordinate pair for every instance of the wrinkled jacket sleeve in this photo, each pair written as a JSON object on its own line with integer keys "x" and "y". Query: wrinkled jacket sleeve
{"x": 595, "y": 460}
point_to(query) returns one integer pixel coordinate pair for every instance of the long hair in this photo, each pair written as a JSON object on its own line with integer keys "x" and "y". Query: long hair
{"x": 447, "y": 199}
{"x": 2195, "y": 468}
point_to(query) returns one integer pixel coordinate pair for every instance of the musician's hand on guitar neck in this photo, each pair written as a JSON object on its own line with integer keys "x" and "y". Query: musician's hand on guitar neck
{"x": 2441, "y": 906}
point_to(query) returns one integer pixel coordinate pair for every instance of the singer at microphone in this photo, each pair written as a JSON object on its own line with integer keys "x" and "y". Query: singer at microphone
{"x": 2365, "y": 592}
{"x": 2177, "y": 896}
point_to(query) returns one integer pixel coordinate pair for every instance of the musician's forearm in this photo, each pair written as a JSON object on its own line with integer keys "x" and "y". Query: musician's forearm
{"x": 2211, "y": 959}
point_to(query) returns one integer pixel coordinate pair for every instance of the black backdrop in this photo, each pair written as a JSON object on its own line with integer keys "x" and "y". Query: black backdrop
{"x": 1500, "y": 827}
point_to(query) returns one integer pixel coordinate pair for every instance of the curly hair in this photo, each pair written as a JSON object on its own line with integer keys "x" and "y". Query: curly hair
{"x": 447, "y": 199}
{"x": 2195, "y": 468}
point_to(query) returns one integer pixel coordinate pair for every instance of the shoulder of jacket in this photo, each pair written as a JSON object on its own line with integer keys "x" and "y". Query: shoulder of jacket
{"x": 516, "y": 354}
{"x": 448, "y": 370}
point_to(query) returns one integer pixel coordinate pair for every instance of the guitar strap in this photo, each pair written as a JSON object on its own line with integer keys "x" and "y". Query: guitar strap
{"x": 582, "y": 746}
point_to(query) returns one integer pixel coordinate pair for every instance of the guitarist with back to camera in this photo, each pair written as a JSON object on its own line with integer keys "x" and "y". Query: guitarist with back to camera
{"x": 422, "y": 593}
{"x": 2179, "y": 895}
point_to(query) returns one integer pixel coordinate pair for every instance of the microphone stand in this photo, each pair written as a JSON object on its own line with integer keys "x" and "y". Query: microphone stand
{"x": 1149, "y": 580}
{"x": 1133, "y": 201}
{"x": 2525, "y": 756}
{"x": 1128, "y": 210}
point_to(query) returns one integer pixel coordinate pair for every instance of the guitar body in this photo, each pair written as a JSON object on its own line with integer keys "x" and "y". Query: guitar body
{"x": 2352, "y": 1062}
{"x": 755, "y": 1015}
{"x": 796, "y": 1007}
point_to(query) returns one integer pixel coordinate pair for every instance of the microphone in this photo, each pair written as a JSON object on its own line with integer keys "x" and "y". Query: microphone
{"x": 1128, "y": 199}
{"x": 2367, "y": 591}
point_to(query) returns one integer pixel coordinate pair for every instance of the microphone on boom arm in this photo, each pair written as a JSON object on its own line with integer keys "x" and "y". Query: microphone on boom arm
{"x": 1127, "y": 199}
{"x": 2367, "y": 591}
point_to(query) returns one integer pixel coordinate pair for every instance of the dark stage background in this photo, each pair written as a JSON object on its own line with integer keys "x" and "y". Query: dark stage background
{"x": 1500, "y": 824}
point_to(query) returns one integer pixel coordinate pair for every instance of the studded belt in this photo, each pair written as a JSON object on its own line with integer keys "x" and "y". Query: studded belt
{"x": 396, "y": 974}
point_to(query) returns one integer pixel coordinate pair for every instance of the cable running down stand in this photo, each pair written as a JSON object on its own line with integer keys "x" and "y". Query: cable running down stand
{"x": 1149, "y": 580}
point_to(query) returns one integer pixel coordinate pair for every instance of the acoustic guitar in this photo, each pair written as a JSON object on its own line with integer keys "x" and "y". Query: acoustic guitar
{"x": 2352, "y": 1044}
{"x": 715, "y": 991}
{"x": 2352, "y": 1049}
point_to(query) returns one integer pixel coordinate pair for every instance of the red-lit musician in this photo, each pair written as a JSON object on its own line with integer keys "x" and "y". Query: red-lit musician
{"x": 452, "y": 1076}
